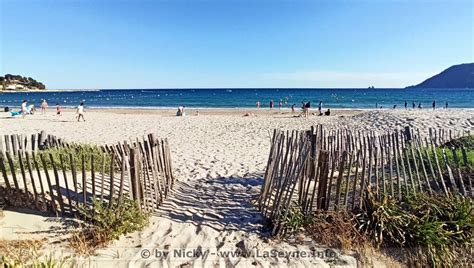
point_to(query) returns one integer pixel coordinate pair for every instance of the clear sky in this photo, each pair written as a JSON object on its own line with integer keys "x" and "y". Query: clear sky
{"x": 176, "y": 44}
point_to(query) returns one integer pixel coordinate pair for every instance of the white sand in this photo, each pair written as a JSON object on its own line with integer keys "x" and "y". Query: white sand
{"x": 219, "y": 161}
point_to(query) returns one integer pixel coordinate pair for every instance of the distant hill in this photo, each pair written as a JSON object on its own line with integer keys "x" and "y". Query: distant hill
{"x": 456, "y": 76}
{"x": 18, "y": 82}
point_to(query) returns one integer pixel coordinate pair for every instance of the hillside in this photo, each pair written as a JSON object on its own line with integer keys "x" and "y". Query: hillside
{"x": 456, "y": 76}
{"x": 18, "y": 82}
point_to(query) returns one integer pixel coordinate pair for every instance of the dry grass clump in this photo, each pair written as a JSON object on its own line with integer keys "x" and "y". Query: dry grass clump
{"x": 21, "y": 251}
{"x": 20, "y": 199}
{"x": 104, "y": 224}
{"x": 27, "y": 253}
{"x": 335, "y": 229}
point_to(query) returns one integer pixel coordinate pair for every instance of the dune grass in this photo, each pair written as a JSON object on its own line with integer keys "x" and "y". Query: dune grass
{"x": 423, "y": 230}
{"x": 27, "y": 253}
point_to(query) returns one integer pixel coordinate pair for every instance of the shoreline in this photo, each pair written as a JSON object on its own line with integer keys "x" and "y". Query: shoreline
{"x": 254, "y": 109}
{"x": 239, "y": 112}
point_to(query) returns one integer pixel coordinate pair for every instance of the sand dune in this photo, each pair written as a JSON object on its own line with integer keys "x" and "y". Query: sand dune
{"x": 219, "y": 161}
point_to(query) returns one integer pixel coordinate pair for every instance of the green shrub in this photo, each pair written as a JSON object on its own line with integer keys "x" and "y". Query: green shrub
{"x": 295, "y": 220}
{"x": 104, "y": 223}
{"x": 382, "y": 221}
{"x": 433, "y": 230}
{"x": 467, "y": 142}
{"x": 77, "y": 151}
{"x": 442, "y": 227}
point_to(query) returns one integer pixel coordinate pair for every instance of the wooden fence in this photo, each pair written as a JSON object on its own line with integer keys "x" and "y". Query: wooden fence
{"x": 30, "y": 143}
{"x": 332, "y": 170}
{"x": 60, "y": 183}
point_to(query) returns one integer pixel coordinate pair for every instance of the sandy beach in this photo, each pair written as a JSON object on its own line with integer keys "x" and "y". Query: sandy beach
{"x": 219, "y": 158}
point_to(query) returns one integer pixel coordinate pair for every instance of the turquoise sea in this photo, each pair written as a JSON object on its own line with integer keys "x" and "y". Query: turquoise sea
{"x": 245, "y": 97}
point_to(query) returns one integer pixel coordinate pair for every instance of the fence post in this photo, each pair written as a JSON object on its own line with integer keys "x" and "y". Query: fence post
{"x": 135, "y": 174}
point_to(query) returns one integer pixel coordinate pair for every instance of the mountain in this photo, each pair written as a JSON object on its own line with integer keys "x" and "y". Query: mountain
{"x": 456, "y": 76}
{"x": 18, "y": 82}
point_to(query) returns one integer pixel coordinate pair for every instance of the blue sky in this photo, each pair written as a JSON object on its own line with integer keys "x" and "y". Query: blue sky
{"x": 176, "y": 44}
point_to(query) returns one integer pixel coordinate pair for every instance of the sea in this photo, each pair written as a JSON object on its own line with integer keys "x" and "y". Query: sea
{"x": 356, "y": 98}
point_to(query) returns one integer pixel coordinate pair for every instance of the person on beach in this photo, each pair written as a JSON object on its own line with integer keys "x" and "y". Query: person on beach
{"x": 420, "y": 106}
{"x": 307, "y": 106}
{"x": 406, "y": 105}
{"x": 293, "y": 108}
{"x": 80, "y": 112}
{"x": 446, "y": 105}
{"x": 58, "y": 109}
{"x": 413, "y": 105}
{"x": 44, "y": 106}
{"x": 280, "y": 105}
{"x": 434, "y": 104}
{"x": 394, "y": 106}
{"x": 303, "y": 108}
{"x": 320, "y": 107}
{"x": 258, "y": 104}
{"x": 328, "y": 112}
{"x": 271, "y": 104}
{"x": 24, "y": 110}
{"x": 180, "y": 111}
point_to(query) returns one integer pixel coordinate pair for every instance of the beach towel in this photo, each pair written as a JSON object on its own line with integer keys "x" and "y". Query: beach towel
{"x": 29, "y": 110}
{"x": 14, "y": 114}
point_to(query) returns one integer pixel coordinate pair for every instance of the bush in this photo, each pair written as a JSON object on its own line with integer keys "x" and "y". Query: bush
{"x": 77, "y": 151}
{"x": 441, "y": 229}
{"x": 467, "y": 142}
{"x": 382, "y": 220}
{"x": 295, "y": 220}
{"x": 104, "y": 224}
{"x": 433, "y": 230}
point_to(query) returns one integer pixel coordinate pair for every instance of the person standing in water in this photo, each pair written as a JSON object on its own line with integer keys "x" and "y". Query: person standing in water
{"x": 280, "y": 105}
{"x": 258, "y": 104}
{"x": 293, "y": 108}
{"x": 320, "y": 107}
{"x": 406, "y": 105}
{"x": 413, "y": 105}
{"x": 446, "y": 105}
{"x": 434, "y": 104}
{"x": 44, "y": 106}
{"x": 80, "y": 112}
{"x": 271, "y": 104}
